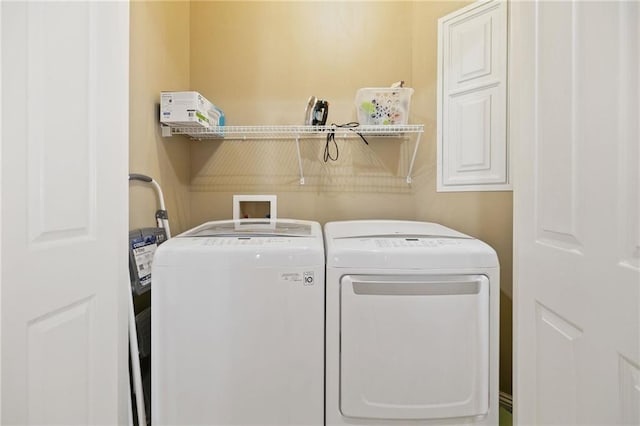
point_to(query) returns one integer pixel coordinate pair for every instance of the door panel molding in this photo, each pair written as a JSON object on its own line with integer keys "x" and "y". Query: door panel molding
{"x": 629, "y": 137}
{"x": 629, "y": 391}
{"x": 555, "y": 117}
{"x": 557, "y": 384}
{"x": 61, "y": 205}
{"x": 60, "y": 365}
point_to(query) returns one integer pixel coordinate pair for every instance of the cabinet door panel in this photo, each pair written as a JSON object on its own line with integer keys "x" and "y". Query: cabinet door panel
{"x": 474, "y": 125}
{"x": 472, "y": 99}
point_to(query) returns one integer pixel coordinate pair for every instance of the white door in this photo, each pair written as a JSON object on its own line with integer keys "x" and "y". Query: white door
{"x": 64, "y": 212}
{"x": 472, "y": 98}
{"x": 575, "y": 132}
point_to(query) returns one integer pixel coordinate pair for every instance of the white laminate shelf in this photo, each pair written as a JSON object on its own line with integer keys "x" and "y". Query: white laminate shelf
{"x": 300, "y": 132}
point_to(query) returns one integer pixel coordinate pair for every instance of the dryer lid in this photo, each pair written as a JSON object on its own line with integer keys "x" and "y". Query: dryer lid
{"x": 403, "y": 245}
{"x": 389, "y": 228}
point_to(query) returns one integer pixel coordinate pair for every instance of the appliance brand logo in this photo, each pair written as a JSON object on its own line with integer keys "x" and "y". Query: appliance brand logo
{"x": 309, "y": 278}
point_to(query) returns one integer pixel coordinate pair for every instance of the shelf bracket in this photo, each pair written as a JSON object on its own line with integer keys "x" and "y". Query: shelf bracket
{"x": 299, "y": 158}
{"x": 166, "y": 131}
{"x": 413, "y": 158}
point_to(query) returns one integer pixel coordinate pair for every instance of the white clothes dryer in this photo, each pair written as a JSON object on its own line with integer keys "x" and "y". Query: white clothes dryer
{"x": 411, "y": 325}
{"x": 238, "y": 325}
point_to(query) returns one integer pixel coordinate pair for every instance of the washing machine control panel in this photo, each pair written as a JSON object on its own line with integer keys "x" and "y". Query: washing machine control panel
{"x": 247, "y": 241}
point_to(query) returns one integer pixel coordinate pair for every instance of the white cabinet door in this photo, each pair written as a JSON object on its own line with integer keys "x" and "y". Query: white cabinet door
{"x": 472, "y": 99}
{"x": 63, "y": 191}
{"x": 575, "y": 132}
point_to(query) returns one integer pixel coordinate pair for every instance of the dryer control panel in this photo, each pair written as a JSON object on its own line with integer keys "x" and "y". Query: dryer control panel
{"x": 413, "y": 242}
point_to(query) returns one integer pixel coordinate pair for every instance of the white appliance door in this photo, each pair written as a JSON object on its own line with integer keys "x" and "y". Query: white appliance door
{"x": 414, "y": 347}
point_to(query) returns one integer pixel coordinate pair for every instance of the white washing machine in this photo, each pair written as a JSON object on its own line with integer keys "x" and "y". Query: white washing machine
{"x": 238, "y": 325}
{"x": 411, "y": 325}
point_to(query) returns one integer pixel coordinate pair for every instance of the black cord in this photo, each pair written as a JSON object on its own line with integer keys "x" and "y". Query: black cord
{"x": 331, "y": 138}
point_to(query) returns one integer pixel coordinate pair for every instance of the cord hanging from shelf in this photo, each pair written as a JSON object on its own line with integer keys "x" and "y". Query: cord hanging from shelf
{"x": 331, "y": 139}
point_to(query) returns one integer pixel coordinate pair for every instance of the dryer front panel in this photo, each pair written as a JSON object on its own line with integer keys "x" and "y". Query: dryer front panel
{"x": 414, "y": 347}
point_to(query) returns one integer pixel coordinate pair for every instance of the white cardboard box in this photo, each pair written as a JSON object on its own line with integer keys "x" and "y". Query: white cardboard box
{"x": 189, "y": 109}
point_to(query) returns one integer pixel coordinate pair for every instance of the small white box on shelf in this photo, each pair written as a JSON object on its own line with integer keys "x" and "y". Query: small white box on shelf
{"x": 383, "y": 105}
{"x": 189, "y": 109}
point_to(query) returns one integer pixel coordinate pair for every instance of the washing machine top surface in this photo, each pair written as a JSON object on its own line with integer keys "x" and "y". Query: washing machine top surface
{"x": 387, "y": 244}
{"x": 245, "y": 243}
{"x": 254, "y": 228}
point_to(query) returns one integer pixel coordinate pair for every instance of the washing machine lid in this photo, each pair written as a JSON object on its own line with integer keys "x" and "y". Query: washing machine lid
{"x": 244, "y": 244}
{"x": 389, "y": 244}
{"x": 252, "y": 227}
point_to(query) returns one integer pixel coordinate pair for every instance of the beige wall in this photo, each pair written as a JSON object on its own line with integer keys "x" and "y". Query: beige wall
{"x": 159, "y": 60}
{"x": 260, "y": 62}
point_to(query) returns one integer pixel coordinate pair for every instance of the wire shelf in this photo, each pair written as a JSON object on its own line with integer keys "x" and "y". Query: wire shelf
{"x": 300, "y": 132}
{"x": 275, "y": 132}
